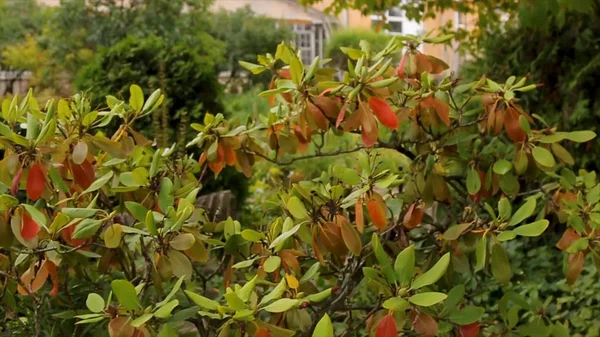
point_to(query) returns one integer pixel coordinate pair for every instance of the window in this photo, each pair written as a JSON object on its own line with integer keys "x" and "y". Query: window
{"x": 397, "y": 23}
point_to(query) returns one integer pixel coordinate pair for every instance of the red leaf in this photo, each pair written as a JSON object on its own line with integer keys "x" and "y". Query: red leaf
{"x": 400, "y": 69}
{"x": 366, "y": 138}
{"x": 341, "y": 115}
{"x": 575, "y": 266}
{"x": 83, "y": 174}
{"x": 29, "y": 228}
{"x": 567, "y": 239}
{"x": 384, "y": 113}
{"x": 471, "y": 330}
{"x": 36, "y": 181}
{"x": 14, "y": 187}
{"x": 387, "y": 327}
{"x": 512, "y": 125}
{"x": 262, "y": 332}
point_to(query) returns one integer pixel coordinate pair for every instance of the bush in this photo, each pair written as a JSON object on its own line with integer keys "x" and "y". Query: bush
{"x": 566, "y": 67}
{"x": 351, "y": 38}
{"x": 185, "y": 73}
{"x": 104, "y": 236}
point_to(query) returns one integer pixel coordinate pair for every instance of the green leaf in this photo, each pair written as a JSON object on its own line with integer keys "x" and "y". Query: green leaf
{"x": 165, "y": 310}
{"x": 136, "y": 100}
{"x": 578, "y": 245}
{"x": 580, "y": 136}
{"x": 467, "y": 315}
{"x": 296, "y": 208}
{"x": 502, "y": 167}
{"x": 7, "y": 202}
{"x": 171, "y": 293}
{"x": 183, "y": 241}
{"x": 481, "y": 253}
{"x": 504, "y": 208}
{"x": 383, "y": 259}
{"x": 246, "y": 291}
{"x": 86, "y": 228}
{"x": 506, "y": 236}
{"x": 524, "y": 212}
{"x": 296, "y": 70}
{"x": 272, "y": 263}
{"x": 455, "y": 295}
{"x": 276, "y": 293}
{"x": 136, "y": 323}
{"x": 137, "y": 210}
{"x": 312, "y": 272}
{"x": 473, "y": 182}
{"x": 201, "y": 301}
{"x": 166, "y": 197}
{"x": 282, "y": 305}
{"x": 35, "y": 214}
{"x": 252, "y": 235}
{"x": 455, "y": 231}
{"x": 182, "y": 267}
{"x": 324, "y": 328}
{"x": 543, "y": 157}
{"x": 253, "y": 68}
{"x": 500, "y": 264}
{"x": 346, "y": 175}
{"x": 532, "y": 229}
{"x": 96, "y": 185}
{"x": 126, "y": 294}
{"x": 427, "y": 299}
{"x": 284, "y": 236}
{"x": 433, "y": 274}
{"x": 151, "y": 223}
{"x": 79, "y": 212}
{"x": 396, "y": 304}
{"x": 404, "y": 265}
{"x": 95, "y": 303}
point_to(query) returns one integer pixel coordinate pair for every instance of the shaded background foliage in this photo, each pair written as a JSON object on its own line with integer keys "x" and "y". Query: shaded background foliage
{"x": 563, "y": 55}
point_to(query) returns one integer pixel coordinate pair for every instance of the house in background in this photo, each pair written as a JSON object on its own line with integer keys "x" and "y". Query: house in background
{"x": 311, "y": 26}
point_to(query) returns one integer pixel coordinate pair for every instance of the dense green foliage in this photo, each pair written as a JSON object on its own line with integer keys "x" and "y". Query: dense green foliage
{"x": 567, "y": 66}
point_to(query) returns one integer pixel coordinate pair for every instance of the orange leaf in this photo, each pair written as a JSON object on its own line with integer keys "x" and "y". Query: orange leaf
{"x": 290, "y": 260}
{"x": 14, "y": 187}
{"x": 317, "y": 116}
{"x": 327, "y": 106}
{"x": 285, "y": 73}
{"x": 471, "y": 330}
{"x": 384, "y": 113}
{"x": 216, "y": 166}
{"x": 413, "y": 216}
{"x": 387, "y": 327}
{"x": 441, "y": 108}
{"x": 29, "y": 228}
{"x": 40, "y": 277}
{"x": 376, "y": 209}
{"x": 351, "y": 238}
{"x": 228, "y": 272}
{"x": 568, "y": 237}
{"x": 575, "y": 266}
{"x": 26, "y": 278}
{"x": 202, "y": 158}
{"x": 424, "y": 324}
{"x": 262, "y": 332}
{"x": 512, "y": 125}
{"x": 367, "y": 139}
{"x": 498, "y": 122}
{"x": 331, "y": 237}
{"x": 36, "y": 181}
{"x": 360, "y": 217}
{"x": 318, "y": 254}
{"x": 341, "y": 115}
{"x": 229, "y": 154}
{"x": 292, "y": 281}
